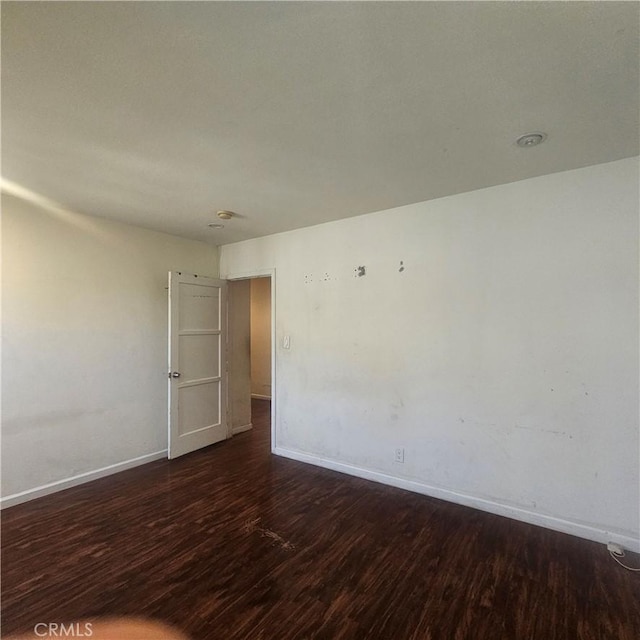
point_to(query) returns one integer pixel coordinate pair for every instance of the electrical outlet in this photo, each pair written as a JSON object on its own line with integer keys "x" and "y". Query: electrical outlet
{"x": 399, "y": 454}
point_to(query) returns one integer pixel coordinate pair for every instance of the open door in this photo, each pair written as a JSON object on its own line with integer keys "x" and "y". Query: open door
{"x": 197, "y": 362}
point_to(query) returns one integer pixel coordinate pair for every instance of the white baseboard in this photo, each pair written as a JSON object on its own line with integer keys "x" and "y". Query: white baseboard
{"x": 241, "y": 428}
{"x": 257, "y": 396}
{"x": 67, "y": 483}
{"x": 581, "y": 530}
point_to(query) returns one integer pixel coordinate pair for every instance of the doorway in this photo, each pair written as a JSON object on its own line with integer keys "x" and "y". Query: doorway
{"x": 260, "y": 303}
{"x": 251, "y": 355}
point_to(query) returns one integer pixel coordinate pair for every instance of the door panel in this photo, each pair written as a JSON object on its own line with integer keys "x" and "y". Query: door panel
{"x": 198, "y": 407}
{"x": 199, "y": 306}
{"x": 199, "y": 356}
{"x": 197, "y": 362}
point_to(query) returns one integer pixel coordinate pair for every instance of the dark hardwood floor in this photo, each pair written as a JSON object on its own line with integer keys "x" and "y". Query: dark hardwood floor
{"x": 231, "y": 542}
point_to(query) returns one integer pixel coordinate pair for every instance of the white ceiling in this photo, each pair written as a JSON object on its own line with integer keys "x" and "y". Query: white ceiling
{"x": 296, "y": 113}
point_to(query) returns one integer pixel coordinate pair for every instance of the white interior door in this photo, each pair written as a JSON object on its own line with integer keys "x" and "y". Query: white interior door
{"x": 197, "y": 362}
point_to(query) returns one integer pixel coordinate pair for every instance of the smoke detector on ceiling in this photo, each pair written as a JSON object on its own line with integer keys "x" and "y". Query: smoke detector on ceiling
{"x": 531, "y": 139}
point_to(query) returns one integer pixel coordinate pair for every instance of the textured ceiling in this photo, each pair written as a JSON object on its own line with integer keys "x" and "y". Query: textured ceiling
{"x": 293, "y": 114}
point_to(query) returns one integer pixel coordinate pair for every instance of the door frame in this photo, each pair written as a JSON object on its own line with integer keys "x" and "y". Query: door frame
{"x": 250, "y": 275}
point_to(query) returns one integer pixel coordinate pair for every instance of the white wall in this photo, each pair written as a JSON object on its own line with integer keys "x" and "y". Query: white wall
{"x": 261, "y": 337}
{"x": 239, "y": 327}
{"x": 503, "y": 356}
{"x": 84, "y": 355}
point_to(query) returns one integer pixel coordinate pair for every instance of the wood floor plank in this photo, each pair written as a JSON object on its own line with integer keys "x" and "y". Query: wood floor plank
{"x": 231, "y": 542}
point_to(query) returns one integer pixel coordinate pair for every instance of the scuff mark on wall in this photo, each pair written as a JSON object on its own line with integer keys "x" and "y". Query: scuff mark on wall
{"x": 553, "y": 431}
{"x": 360, "y": 271}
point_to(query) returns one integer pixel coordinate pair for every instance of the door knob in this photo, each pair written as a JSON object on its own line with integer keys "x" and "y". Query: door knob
{"x": 175, "y": 374}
